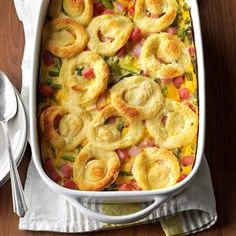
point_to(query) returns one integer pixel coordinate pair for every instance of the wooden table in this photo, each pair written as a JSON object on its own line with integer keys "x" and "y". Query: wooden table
{"x": 219, "y": 36}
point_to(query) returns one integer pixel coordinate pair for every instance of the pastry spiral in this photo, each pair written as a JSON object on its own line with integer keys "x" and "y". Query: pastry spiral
{"x": 109, "y": 33}
{"x": 111, "y": 135}
{"x": 95, "y": 169}
{"x": 64, "y": 128}
{"x": 84, "y": 91}
{"x": 153, "y": 16}
{"x": 164, "y": 56}
{"x": 137, "y": 97}
{"x": 78, "y": 10}
{"x": 155, "y": 168}
{"x": 175, "y": 126}
{"x": 64, "y": 37}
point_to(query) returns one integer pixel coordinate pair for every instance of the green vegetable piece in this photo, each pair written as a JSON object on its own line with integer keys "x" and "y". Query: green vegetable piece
{"x": 68, "y": 158}
{"x": 107, "y": 3}
{"x": 189, "y": 76}
{"x": 121, "y": 126}
{"x": 177, "y": 152}
{"x": 164, "y": 90}
{"x": 56, "y": 86}
{"x": 49, "y": 81}
{"x": 79, "y": 71}
{"x": 53, "y": 151}
{"x": 125, "y": 173}
{"x": 58, "y": 62}
{"x": 182, "y": 34}
{"x": 53, "y": 73}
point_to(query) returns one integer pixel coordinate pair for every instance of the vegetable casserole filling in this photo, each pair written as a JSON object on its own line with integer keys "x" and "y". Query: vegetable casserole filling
{"x": 117, "y": 94}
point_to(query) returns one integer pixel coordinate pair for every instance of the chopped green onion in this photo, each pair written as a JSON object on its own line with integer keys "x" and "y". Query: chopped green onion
{"x": 79, "y": 71}
{"x": 58, "y": 62}
{"x": 182, "y": 34}
{"x": 124, "y": 173}
{"x": 56, "y": 86}
{"x": 49, "y": 81}
{"x": 53, "y": 73}
{"x": 189, "y": 76}
{"x": 107, "y": 3}
{"x": 68, "y": 158}
{"x": 121, "y": 126}
{"x": 164, "y": 90}
{"x": 177, "y": 152}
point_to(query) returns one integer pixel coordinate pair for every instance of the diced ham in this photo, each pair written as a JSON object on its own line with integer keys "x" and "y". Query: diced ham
{"x": 70, "y": 184}
{"x": 107, "y": 11}
{"x": 187, "y": 160}
{"x": 147, "y": 142}
{"x": 88, "y": 73}
{"x": 172, "y": 30}
{"x": 130, "y": 186}
{"x": 46, "y": 91}
{"x": 166, "y": 81}
{"x": 182, "y": 177}
{"x": 98, "y": 8}
{"x": 134, "y": 150}
{"x": 49, "y": 169}
{"x": 112, "y": 119}
{"x": 123, "y": 154}
{"x": 67, "y": 171}
{"x": 131, "y": 10}
{"x": 48, "y": 58}
{"x": 184, "y": 93}
{"x": 121, "y": 52}
{"x": 136, "y": 50}
{"x": 121, "y": 8}
{"x": 191, "y": 106}
{"x": 178, "y": 81}
{"x": 192, "y": 51}
{"x": 136, "y": 35}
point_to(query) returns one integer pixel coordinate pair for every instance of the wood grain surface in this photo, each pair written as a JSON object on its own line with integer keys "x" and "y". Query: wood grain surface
{"x": 218, "y": 20}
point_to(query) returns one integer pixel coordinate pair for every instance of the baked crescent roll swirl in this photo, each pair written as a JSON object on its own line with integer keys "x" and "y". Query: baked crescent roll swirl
{"x": 78, "y": 10}
{"x": 109, "y": 33}
{"x": 64, "y": 37}
{"x": 110, "y": 130}
{"x": 153, "y": 16}
{"x": 81, "y": 90}
{"x": 95, "y": 169}
{"x": 137, "y": 97}
{"x": 64, "y": 128}
{"x": 155, "y": 168}
{"x": 175, "y": 126}
{"x": 164, "y": 56}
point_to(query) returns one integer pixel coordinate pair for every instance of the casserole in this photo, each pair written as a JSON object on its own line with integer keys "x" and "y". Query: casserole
{"x": 77, "y": 197}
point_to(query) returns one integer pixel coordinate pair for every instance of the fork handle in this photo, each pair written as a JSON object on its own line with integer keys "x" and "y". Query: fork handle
{"x": 19, "y": 205}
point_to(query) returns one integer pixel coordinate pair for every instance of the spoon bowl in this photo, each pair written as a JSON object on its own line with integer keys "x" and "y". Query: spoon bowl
{"x": 8, "y": 109}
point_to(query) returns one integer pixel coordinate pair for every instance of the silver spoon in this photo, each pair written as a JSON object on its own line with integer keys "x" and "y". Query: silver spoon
{"x": 8, "y": 109}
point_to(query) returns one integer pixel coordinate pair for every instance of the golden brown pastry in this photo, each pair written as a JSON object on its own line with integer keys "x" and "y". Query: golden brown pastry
{"x": 95, "y": 169}
{"x": 64, "y": 37}
{"x": 155, "y": 168}
{"x": 164, "y": 56}
{"x": 110, "y": 130}
{"x": 108, "y": 33}
{"x": 153, "y": 16}
{"x": 175, "y": 126}
{"x": 65, "y": 128}
{"x": 78, "y": 10}
{"x": 84, "y": 91}
{"x": 137, "y": 97}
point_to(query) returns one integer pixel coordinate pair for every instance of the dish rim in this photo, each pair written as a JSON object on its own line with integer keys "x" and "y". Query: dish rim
{"x": 35, "y": 145}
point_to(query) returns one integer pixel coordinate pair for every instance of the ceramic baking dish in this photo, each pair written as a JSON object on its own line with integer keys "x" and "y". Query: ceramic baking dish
{"x": 75, "y": 197}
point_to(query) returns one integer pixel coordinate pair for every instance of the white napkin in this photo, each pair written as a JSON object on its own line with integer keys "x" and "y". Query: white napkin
{"x": 191, "y": 211}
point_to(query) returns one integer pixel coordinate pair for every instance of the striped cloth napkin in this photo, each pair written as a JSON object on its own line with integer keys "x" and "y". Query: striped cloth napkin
{"x": 191, "y": 211}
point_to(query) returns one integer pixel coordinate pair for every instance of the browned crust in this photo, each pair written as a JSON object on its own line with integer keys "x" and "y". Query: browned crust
{"x": 67, "y": 51}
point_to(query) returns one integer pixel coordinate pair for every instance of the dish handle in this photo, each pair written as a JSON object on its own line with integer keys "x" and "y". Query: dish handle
{"x": 158, "y": 200}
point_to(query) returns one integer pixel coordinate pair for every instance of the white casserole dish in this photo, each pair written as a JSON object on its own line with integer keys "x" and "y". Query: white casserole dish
{"x": 75, "y": 197}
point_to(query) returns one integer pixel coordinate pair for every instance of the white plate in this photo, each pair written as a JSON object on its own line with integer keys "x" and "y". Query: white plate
{"x": 18, "y": 134}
